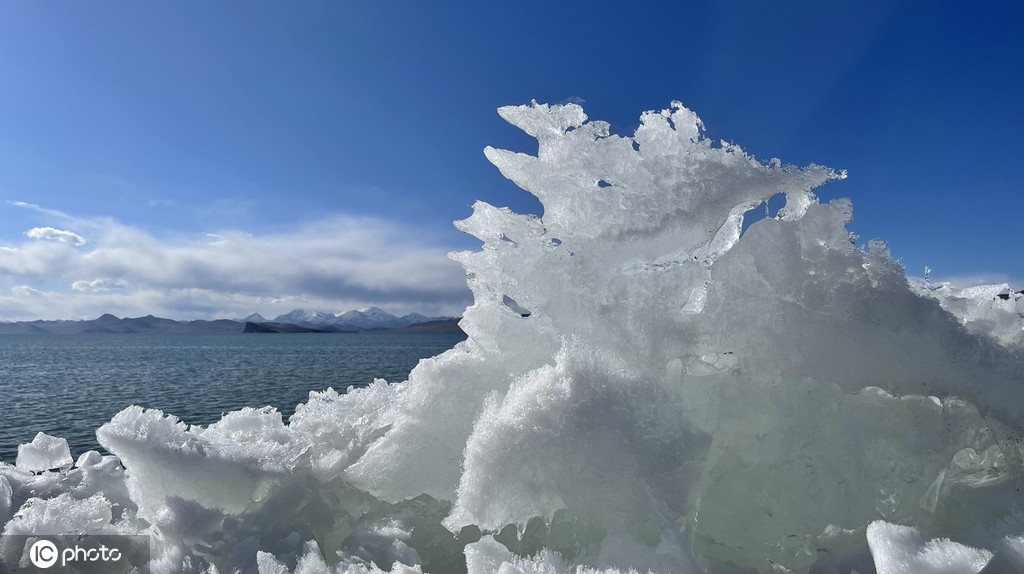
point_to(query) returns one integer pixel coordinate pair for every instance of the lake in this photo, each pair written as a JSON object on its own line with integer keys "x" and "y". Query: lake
{"x": 69, "y": 385}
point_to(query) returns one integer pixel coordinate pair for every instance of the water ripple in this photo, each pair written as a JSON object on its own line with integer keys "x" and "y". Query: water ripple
{"x": 70, "y": 385}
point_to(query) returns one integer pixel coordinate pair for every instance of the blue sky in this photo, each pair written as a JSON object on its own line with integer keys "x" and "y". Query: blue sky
{"x": 335, "y": 142}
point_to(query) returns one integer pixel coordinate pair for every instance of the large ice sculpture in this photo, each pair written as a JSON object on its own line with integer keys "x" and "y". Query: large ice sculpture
{"x": 645, "y": 387}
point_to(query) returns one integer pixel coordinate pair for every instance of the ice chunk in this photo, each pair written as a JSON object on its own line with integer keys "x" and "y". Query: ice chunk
{"x": 63, "y": 514}
{"x": 902, "y": 549}
{"x": 43, "y": 453}
{"x": 993, "y": 310}
{"x": 579, "y": 435}
{"x": 488, "y": 556}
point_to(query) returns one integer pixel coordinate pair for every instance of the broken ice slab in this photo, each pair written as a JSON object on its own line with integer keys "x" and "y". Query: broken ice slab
{"x": 43, "y": 453}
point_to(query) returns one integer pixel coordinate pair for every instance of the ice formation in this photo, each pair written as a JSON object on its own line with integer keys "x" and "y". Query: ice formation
{"x": 43, "y": 453}
{"x": 645, "y": 387}
{"x": 990, "y": 310}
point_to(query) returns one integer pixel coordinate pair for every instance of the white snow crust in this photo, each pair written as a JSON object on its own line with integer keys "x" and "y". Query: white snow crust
{"x": 644, "y": 388}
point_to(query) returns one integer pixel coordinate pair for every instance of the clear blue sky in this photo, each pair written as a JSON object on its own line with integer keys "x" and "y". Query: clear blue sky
{"x": 230, "y": 147}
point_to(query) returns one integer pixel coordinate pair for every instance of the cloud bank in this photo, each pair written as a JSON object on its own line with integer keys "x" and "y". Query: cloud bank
{"x": 337, "y": 263}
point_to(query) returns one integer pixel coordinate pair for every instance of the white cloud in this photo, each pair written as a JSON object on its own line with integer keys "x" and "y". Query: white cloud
{"x": 98, "y": 285}
{"x": 53, "y": 234}
{"x": 48, "y": 212}
{"x": 333, "y": 264}
{"x": 25, "y": 291}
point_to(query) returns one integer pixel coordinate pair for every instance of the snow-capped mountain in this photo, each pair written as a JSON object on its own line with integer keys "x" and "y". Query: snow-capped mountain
{"x": 304, "y": 317}
{"x": 371, "y": 318}
{"x": 357, "y": 319}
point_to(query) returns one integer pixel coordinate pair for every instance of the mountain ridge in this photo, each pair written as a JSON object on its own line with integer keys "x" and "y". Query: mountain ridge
{"x": 298, "y": 320}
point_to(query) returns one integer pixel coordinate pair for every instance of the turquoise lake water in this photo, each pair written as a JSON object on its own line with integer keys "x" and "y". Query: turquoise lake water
{"x": 70, "y": 385}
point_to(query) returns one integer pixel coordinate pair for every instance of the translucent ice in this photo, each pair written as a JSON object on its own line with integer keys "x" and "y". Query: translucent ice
{"x": 43, "y": 453}
{"x": 646, "y": 386}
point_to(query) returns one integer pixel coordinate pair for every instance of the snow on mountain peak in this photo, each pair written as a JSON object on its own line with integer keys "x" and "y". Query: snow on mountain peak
{"x": 364, "y": 318}
{"x": 304, "y": 316}
{"x": 368, "y": 313}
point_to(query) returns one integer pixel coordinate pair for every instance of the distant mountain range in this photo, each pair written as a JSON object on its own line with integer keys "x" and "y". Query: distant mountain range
{"x": 297, "y": 321}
